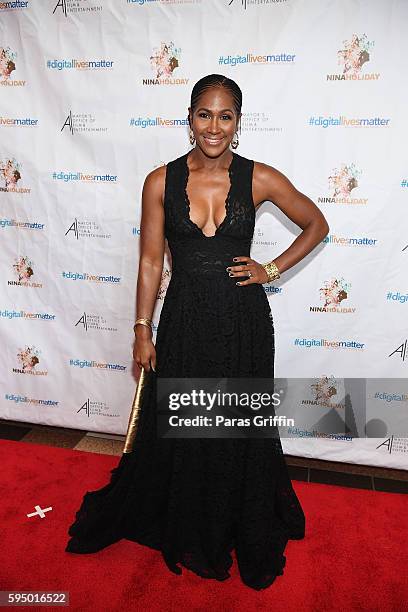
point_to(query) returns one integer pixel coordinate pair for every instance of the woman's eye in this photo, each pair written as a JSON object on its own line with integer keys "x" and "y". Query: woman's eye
{"x": 204, "y": 115}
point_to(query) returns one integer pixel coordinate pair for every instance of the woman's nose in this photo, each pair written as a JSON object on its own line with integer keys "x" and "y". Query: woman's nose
{"x": 214, "y": 127}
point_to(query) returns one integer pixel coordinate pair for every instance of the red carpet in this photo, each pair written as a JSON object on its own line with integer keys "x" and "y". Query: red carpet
{"x": 354, "y": 556}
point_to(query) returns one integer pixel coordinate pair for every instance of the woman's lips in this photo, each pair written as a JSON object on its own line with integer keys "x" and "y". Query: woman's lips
{"x": 213, "y": 141}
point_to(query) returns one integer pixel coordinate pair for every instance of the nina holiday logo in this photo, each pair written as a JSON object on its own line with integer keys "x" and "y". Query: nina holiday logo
{"x": 24, "y": 269}
{"x": 7, "y": 62}
{"x": 10, "y": 175}
{"x": 355, "y": 54}
{"x": 8, "y": 65}
{"x": 342, "y": 182}
{"x": 325, "y": 392}
{"x": 29, "y": 358}
{"x": 8, "y": 59}
{"x": 352, "y": 58}
{"x": 332, "y": 294}
{"x": 165, "y": 60}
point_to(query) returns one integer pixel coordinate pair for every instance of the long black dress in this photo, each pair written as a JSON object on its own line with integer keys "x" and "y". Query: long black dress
{"x": 197, "y": 499}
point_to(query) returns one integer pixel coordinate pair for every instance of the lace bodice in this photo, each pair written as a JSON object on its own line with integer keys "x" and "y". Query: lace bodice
{"x": 192, "y": 251}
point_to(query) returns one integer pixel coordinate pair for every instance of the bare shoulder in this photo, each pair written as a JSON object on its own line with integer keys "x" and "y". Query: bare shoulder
{"x": 269, "y": 183}
{"x": 156, "y": 177}
{"x": 155, "y": 181}
{"x": 265, "y": 172}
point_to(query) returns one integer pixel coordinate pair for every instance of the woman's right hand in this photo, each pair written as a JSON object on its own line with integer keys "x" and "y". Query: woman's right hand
{"x": 144, "y": 351}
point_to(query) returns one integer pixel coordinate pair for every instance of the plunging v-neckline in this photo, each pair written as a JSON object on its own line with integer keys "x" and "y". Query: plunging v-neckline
{"x": 188, "y": 203}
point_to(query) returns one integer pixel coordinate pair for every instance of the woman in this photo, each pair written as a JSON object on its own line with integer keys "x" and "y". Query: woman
{"x": 197, "y": 499}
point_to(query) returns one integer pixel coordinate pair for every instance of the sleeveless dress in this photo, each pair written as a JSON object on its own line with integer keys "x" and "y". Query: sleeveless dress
{"x": 196, "y": 500}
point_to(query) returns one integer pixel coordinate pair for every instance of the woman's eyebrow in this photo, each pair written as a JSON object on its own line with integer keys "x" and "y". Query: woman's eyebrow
{"x": 209, "y": 111}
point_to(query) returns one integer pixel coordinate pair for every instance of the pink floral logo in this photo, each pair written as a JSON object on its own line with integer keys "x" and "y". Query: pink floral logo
{"x": 7, "y": 62}
{"x": 23, "y": 268}
{"x": 9, "y": 173}
{"x": 334, "y": 291}
{"x": 325, "y": 389}
{"x": 344, "y": 180}
{"x": 165, "y": 59}
{"x": 355, "y": 54}
{"x": 28, "y": 358}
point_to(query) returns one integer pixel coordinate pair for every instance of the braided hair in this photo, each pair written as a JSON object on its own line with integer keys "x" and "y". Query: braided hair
{"x": 216, "y": 80}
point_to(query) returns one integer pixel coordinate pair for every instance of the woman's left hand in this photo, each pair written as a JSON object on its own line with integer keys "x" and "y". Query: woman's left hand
{"x": 245, "y": 265}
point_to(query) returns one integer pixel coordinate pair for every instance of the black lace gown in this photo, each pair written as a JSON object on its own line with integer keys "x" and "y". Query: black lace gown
{"x": 197, "y": 499}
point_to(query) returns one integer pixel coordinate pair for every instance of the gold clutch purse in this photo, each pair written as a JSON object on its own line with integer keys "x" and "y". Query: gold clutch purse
{"x": 135, "y": 411}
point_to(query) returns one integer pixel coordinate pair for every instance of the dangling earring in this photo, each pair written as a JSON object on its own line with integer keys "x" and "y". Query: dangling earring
{"x": 192, "y": 137}
{"x": 235, "y": 142}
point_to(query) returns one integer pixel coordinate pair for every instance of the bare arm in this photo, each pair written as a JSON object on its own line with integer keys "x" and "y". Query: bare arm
{"x": 151, "y": 258}
{"x": 270, "y": 184}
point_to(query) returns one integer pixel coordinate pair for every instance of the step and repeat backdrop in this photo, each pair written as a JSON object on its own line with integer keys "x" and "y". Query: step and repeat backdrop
{"x": 94, "y": 95}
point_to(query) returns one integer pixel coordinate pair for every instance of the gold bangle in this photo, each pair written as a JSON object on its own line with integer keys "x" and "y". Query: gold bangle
{"x": 271, "y": 270}
{"x": 143, "y": 321}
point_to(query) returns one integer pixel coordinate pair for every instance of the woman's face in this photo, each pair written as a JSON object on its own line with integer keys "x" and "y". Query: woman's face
{"x": 214, "y": 121}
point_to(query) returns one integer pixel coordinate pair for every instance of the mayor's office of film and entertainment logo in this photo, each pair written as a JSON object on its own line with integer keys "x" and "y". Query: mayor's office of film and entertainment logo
{"x": 332, "y": 294}
{"x": 260, "y": 122}
{"x": 8, "y": 65}
{"x": 165, "y": 63}
{"x": 341, "y": 183}
{"x": 23, "y": 269}
{"x": 76, "y": 7}
{"x": 393, "y": 444}
{"x": 93, "y": 408}
{"x": 156, "y": 2}
{"x": 28, "y": 362}
{"x": 246, "y": 4}
{"x": 93, "y": 322}
{"x": 353, "y": 59}
{"x": 10, "y": 176}
{"x": 261, "y": 239}
{"x": 86, "y": 228}
{"x": 82, "y": 123}
{"x": 400, "y": 351}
